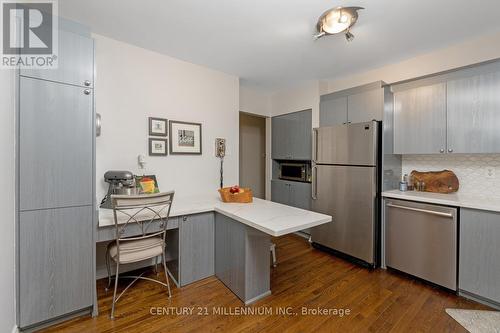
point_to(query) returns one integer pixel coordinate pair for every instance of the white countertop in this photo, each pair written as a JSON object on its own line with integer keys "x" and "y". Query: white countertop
{"x": 270, "y": 217}
{"x": 453, "y": 199}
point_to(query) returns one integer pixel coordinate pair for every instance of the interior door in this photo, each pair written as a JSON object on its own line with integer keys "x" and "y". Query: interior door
{"x": 348, "y": 194}
{"x": 253, "y": 154}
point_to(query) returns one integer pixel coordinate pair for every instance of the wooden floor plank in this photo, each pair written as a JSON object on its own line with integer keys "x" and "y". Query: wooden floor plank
{"x": 378, "y": 300}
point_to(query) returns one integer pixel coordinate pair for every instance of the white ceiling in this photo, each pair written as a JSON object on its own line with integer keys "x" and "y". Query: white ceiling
{"x": 268, "y": 43}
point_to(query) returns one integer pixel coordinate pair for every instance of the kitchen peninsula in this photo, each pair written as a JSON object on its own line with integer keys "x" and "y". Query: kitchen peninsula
{"x": 229, "y": 240}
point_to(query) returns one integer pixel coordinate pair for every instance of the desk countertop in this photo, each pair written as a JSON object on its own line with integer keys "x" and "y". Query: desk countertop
{"x": 270, "y": 217}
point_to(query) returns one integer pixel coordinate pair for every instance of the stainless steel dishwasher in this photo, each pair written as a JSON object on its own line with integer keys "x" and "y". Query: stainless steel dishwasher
{"x": 421, "y": 240}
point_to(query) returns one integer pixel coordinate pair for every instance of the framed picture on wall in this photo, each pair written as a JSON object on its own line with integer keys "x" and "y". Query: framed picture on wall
{"x": 157, "y": 147}
{"x": 185, "y": 138}
{"x": 157, "y": 126}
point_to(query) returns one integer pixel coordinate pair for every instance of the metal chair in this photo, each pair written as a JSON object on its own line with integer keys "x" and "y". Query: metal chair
{"x": 150, "y": 212}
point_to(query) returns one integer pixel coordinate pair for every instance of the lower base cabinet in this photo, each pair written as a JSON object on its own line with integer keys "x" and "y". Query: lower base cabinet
{"x": 196, "y": 238}
{"x": 479, "y": 270}
{"x": 55, "y": 263}
{"x": 295, "y": 194}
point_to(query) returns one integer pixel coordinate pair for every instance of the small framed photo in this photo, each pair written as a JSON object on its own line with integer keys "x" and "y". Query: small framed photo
{"x": 185, "y": 138}
{"x": 157, "y": 147}
{"x": 157, "y": 126}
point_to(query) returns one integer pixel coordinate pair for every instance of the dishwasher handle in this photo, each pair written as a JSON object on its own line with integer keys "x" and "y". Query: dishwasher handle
{"x": 426, "y": 211}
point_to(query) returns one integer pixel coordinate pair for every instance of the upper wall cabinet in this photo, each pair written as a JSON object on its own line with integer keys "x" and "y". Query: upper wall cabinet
{"x": 75, "y": 61}
{"x": 354, "y": 105}
{"x": 333, "y": 111}
{"x": 365, "y": 106}
{"x": 474, "y": 114}
{"x": 292, "y": 136}
{"x": 456, "y": 112}
{"x": 420, "y": 120}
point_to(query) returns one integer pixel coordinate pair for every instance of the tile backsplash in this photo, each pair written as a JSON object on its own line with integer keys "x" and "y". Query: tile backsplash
{"x": 478, "y": 174}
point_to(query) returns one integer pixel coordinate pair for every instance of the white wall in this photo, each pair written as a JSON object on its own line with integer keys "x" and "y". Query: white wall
{"x": 469, "y": 52}
{"x": 298, "y": 98}
{"x": 7, "y": 204}
{"x": 255, "y": 102}
{"x": 134, "y": 84}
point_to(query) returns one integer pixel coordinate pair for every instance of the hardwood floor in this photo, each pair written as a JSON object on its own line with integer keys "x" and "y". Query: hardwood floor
{"x": 378, "y": 301}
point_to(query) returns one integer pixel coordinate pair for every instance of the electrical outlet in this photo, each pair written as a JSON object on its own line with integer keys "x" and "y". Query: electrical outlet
{"x": 490, "y": 172}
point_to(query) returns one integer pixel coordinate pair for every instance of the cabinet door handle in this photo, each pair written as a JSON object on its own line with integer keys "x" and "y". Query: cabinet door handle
{"x": 86, "y": 83}
{"x": 450, "y": 150}
{"x": 441, "y": 150}
{"x": 184, "y": 218}
{"x": 86, "y": 91}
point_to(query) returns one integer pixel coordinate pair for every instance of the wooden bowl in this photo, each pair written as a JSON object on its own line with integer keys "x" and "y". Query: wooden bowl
{"x": 244, "y": 196}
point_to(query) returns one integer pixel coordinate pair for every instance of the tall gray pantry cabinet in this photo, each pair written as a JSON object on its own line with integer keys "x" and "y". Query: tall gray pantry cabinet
{"x": 56, "y": 184}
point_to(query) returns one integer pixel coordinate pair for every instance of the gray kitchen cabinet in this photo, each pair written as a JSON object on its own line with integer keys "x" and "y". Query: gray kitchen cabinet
{"x": 365, "y": 106}
{"x": 280, "y": 137}
{"x": 295, "y": 194}
{"x": 55, "y": 205}
{"x": 55, "y": 145}
{"x": 196, "y": 240}
{"x": 354, "y": 105}
{"x": 420, "y": 120}
{"x": 292, "y": 136}
{"x": 300, "y": 195}
{"x": 333, "y": 111}
{"x": 75, "y": 61}
{"x": 474, "y": 114}
{"x": 280, "y": 192}
{"x": 479, "y": 269}
{"x": 55, "y": 263}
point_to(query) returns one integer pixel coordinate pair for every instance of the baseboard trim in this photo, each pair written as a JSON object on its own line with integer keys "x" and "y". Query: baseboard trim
{"x": 479, "y": 299}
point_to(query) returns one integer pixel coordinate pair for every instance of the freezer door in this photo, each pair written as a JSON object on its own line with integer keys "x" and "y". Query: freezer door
{"x": 348, "y": 194}
{"x": 352, "y": 144}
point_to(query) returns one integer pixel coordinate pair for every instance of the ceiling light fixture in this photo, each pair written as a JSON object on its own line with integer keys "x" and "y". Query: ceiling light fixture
{"x": 337, "y": 20}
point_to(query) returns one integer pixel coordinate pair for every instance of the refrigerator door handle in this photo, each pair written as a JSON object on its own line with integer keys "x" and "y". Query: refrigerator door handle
{"x": 314, "y": 192}
{"x": 315, "y": 144}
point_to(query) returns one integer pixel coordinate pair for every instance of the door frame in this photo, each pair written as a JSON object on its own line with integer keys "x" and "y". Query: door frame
{"x": 268, "y": 161}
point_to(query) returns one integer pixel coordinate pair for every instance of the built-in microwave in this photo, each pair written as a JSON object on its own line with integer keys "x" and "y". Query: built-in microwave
{"x": 300, "y": 172}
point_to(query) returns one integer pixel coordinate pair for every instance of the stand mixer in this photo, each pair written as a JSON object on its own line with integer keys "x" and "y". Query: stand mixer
{"x": 120, "y": 182}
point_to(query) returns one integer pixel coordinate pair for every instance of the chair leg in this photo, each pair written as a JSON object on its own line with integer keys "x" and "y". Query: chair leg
{"x": 114, "y": 293}
{"x": 109, "y": 271}
{"x": 166, "y": 272}
{"x": 156, "y": 265}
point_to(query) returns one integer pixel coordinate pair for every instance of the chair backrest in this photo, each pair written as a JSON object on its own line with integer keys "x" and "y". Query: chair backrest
{"x": 150, "y": 212}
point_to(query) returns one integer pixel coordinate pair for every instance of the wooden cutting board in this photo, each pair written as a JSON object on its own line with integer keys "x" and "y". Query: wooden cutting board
{"x": 437, "y": 181}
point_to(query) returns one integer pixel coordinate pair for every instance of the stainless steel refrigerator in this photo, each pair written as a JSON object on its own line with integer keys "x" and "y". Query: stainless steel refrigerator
{"x": 345, "y": 186}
